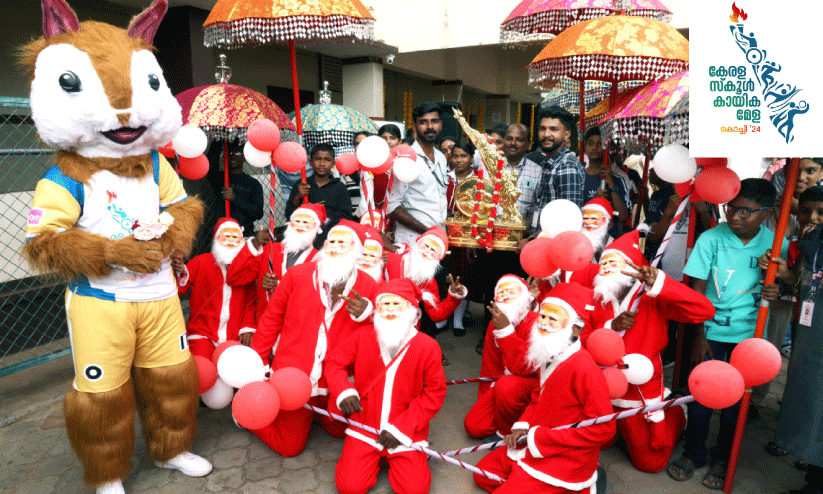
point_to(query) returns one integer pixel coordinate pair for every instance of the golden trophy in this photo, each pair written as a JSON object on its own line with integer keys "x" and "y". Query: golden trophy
{"x": 475, "y": 196}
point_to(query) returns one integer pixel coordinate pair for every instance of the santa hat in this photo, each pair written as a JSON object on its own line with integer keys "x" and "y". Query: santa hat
{"x": 627, "y": 246}
{"x": 573, "y": 297}
{"x": 316, "y": 211}
{"x": 356, "y": 229}
{"x": 224, "y": 223}
{"x": 366, "y": 218}
{"x": 372, "y": 237}
{"x": 402, "y": 287}
{"x": 511, "y": 277}
{"x": 600, "y": 204}
{"x": 438, "y": 235}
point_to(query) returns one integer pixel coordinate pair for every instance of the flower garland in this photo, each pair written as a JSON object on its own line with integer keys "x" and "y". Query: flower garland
{"x": 487, "y": 242}
{"x": 152, "y": 228}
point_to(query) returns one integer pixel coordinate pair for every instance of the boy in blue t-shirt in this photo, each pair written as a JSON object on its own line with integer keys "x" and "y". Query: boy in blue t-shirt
{"x": 724, "y": 266}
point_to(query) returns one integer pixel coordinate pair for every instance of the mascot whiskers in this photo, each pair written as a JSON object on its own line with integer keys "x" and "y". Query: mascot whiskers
{"x": 98, "y": 97}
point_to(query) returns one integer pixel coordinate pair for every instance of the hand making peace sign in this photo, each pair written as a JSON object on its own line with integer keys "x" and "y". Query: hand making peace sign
{"x": 646, "y": 274}
{"x": 357, "y": 304}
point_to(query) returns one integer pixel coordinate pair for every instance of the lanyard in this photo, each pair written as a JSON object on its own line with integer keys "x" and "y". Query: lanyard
{"x": 433, "y": 169}
{"x": 817, "y": 274}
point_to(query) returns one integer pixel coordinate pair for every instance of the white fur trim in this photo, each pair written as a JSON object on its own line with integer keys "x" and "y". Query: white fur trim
{"x": 366, "y": 313}
{"x": 435, "y": 238}
{"x": 530, "y": 442}
{"x": 543, "y": 477}
{"x": 307, "y": 211}
{"x": 247, "y": 330}
{"x": 655, "y": 289}
{"x": 429, "y": 297}
{"x": 183, "y": 276}
{"x": 394, "y": 431}
{"x": 227, "y": 224}
{"x": 510, "y": 277}
{"x": 503, "y": 332}
{"x": 597, "y": 207}
{"x": 460, "y": 295}
{"x": 520, "y": 425}
{"x": 346, "y": 394}
{"x": 349, "y": 230}
{"x": 608, "y": 324}
{"x": 615, "y": 251}
{"x": 573, "y": 316}
{"x": 254, "y": 251}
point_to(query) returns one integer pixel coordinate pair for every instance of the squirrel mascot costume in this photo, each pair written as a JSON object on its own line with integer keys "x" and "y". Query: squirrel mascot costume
{"x": 98, "y": 97}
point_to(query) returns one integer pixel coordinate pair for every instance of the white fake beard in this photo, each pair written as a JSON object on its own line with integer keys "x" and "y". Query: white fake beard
{"x": 419, "y": 269}
{"x": 224, "y": 255}
{"x": 598, "y": 238}
{"x": 391, "y": 333}
{"x": 612, "y": 288}
{"x": 516, "y": 310}
{"x": 543, "y": 350}
{"x": 375, "y": 272}
{"x": 336, "y": 270}
{"x": 294, "y": 241}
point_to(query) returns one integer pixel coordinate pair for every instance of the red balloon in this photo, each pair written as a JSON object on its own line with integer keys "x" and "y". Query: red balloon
{"x": 255, "y": 405}
{"x": 289, "y": 157}
{"x": 757, "y": 360}
{"x": 263, "y": 134}
{"x": 606, "y": 346}
{"x": 716, "y": 384}
{"x": 405, "y": 151}
{"x": 685, "y": 188}
{"x": 347, "y": 163}
{"x": 717, "y": 185}
{"x": 206, "y": 371}
{"x": 712, "y": 162}
{"x": 194, "y": 168}
{"x": 168, "y": 150}
{"x": 571, "y": 250}
{"x": 222, "y": 348}
{"x": 293, "y": 386}
{"x": 535, "y": 258}
{"x": 616, "y": 381}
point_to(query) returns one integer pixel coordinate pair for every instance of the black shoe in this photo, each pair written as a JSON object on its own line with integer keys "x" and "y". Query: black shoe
{"x": 459, "y": 332}
{"x": 479, "y": 348}
{"x": 445, "y": 361}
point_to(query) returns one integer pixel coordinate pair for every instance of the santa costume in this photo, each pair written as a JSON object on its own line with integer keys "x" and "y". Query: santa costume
{"x": 419, "y": 263}
{"x": 218, "y": 312}
{"x": 399, "y": 386}
{"x": 650, "y": 438}
{"x": 371, "y": 262}
{"x": 252, "y": 262}
{"x": 597, "y": 216}
{"x": 500, "y": 403}
{"x": 572, "y": 389}
{"x": 306, "y": 318}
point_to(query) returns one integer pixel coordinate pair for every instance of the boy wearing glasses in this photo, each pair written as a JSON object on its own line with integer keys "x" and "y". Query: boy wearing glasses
{"x": 724, "y": 266}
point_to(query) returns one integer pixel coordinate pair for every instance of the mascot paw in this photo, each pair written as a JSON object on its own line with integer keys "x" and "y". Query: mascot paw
{"x": 136, "y": 255}
{"x": 113, "y": 487}
{"x": 188, "y": 463}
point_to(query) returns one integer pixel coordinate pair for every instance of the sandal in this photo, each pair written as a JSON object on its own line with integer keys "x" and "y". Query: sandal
{"x": 773, "y": 449}
{"x": 716, "y": 476}
{"x": 686, "y": 466}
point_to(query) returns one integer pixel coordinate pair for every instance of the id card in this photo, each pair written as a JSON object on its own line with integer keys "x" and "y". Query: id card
{"x": 806, "y": 312}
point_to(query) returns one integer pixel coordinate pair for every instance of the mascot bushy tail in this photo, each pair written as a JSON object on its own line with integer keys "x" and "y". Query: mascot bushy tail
{"x": 98, "y": 97}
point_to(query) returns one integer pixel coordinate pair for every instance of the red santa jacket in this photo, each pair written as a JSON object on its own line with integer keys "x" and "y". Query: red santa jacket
{"x": 412, "y": 387}
{"x": 296, "y": 314}
{"x": 505, "y": 354}
{"x": 251, "y": 264}
{"x": 209, "y": 293}
{"x": 667, "y": 299}
{"x": 572, "y": 390}
{"x": 438, "y": 310}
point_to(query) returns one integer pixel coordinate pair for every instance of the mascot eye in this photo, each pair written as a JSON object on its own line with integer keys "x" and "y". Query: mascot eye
{"x": 70, "y": 82}
{"x": 154, "y": 82}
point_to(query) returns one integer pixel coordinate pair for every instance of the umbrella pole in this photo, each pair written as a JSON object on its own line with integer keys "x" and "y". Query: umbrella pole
{"x": 641, "y": 197}
{"x": 297, "y": 116}
{"x": 226, "y": 172}
{"x": 762, "y": 314}
{"x": 582, "y": 145}
{"x": 607, "y": 167}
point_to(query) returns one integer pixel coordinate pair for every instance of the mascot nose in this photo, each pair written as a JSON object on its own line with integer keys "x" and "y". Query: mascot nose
{"x": 123, "y": 118}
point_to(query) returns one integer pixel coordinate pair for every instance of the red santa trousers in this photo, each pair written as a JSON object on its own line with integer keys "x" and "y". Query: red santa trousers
{"x": 357, "y": 468}
{"x": 650, "y": 444}
{"x": 500, "y": 406}
{"x": 517, "y": 480}
{"x": 202, "y": 347}
{"x": 289, "y": 432}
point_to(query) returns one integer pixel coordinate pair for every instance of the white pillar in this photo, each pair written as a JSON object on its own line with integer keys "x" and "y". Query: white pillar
{"x": 363, "y": 88}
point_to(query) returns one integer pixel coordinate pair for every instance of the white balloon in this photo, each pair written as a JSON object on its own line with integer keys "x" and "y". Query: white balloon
{"x": 239, "y": 365}
{"x": 405, "y": 169}
{"x": 256, "y": 157}
{"x": 219, "y": 395}
{"x": 560, "y": 215}
{"x": 372, "y": 152}
{"x": 672, "y": 164}
{"x": 640, "y": 369}
{"x": 190, "y": 141}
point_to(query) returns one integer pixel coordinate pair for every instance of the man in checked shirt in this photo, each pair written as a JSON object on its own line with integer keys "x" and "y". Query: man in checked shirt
{"x": 563, "y": 174}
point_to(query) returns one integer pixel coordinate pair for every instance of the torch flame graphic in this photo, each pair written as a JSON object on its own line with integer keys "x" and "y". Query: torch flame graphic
{"x": 737, "y": 14}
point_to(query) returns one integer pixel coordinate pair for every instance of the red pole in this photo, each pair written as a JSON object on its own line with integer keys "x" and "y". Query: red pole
{"x": 226, "y": 172}
{"x": 297, "y": 117}
{"x": 762, "y": 314}
{"x": 641, "y": 197}
{"x": 580, "y": 144}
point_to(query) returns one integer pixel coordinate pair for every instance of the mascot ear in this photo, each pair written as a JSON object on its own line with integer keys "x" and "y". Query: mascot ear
{"x": 145, "y": 25}
{"x": 58, "y": 18}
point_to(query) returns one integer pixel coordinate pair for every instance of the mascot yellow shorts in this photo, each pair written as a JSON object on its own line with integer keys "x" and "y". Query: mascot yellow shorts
{"x": 108, "y": 337}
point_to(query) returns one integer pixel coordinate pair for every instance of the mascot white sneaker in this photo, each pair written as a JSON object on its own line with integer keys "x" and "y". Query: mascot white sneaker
{"x": 98, "y": 97}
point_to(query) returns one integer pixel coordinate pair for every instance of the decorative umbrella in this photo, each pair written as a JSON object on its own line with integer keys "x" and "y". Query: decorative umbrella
{"x": 565, "y": 93}
{"x": 335, "y": 125}
{"x": 540, "y": 20}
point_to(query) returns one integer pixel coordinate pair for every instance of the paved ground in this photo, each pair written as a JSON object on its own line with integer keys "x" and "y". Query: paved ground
{"x": 35, "y": 456}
